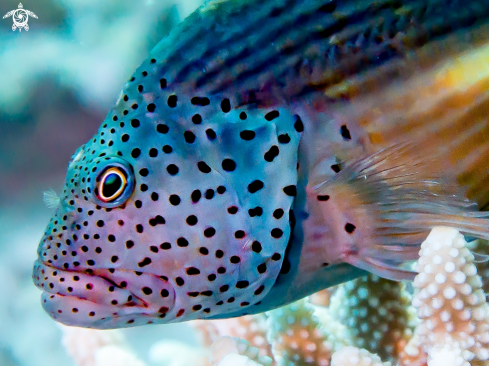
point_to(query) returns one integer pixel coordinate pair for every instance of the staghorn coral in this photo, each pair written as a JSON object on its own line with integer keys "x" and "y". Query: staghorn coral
{"x": 89, "y": 347}
{"x": 297, "y": 337}
{"x": 450, "y": 302}
{"x": 377, "y": 314}
{"x": 352, "y": 356}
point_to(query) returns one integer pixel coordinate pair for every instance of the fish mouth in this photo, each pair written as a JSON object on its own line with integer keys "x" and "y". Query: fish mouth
{"x": 104, "y": 299}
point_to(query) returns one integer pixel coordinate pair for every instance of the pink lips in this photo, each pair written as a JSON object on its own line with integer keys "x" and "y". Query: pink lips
{"x": 103, "y": 299}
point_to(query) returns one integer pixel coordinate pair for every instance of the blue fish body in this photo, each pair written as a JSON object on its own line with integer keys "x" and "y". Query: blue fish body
{"x": 261, "y": 154}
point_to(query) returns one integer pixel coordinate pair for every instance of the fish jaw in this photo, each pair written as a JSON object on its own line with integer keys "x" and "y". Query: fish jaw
{"x": 104, "y": 299}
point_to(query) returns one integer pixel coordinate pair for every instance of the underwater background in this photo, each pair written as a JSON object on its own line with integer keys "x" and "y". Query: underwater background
{"x": 57, "y": 82}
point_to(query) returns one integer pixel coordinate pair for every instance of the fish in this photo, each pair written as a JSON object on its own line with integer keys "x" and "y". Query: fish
{"x": 267, "y": 150}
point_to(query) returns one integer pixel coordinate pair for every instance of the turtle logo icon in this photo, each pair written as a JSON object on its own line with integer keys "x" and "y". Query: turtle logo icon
{"x": 21, "y": 17}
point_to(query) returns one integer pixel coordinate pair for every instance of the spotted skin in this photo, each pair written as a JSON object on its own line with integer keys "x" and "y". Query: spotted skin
{"x": 230, "y": 143}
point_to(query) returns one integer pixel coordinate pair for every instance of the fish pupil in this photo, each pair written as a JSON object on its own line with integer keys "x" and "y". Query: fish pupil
{"x": 112, "y": 184}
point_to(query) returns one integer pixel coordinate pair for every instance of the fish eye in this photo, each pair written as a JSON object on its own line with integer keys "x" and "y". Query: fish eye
{"x": 110, "y": 181}
{"x": 112, "y": 184}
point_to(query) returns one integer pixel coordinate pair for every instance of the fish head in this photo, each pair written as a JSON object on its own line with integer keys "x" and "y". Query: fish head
{"x": 172, "y": 212}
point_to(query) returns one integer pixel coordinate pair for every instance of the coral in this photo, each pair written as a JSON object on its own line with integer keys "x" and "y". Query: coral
{"x": 376, "y": 312}
{"x": 89, "y": 347}
{"x": 169, "y": 352}
{"x": 225, "y": 346}
{"x": 296, "y": 336}
{"x": 450, "y": 302}
{"x": 352, "y": 356}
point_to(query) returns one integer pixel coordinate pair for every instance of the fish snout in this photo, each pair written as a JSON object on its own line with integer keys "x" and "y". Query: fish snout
{"x": 103, "y": 299}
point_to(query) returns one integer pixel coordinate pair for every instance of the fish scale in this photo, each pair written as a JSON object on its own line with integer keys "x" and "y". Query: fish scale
{"x": 265, "y": 151}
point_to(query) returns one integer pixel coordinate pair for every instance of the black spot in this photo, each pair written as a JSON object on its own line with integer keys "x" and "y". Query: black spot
{"x": 154, "y": 196}
{"x": 284, "y": 139}
{"x": 276, "y": 257}
{"x": 139, "y": 228}
{"x": 257, "y": 211}
{"x": 290, "y": 190}
{"x": 239, "y": 234}
{"x": 174, "y": 200}
{"x": 189, "y": 137}
{"x": 247, "y": 135}
{"x": 135, "y": 123}
{"x": 232, "y": 210}
{"x": 336, "y": 168}
{"x": 255, "y": 186}
{"x": 242, "y": 116}
{"x": 211, "y": 277}
{"x": 144, "y": 172}
{"x": 172, "y": 169}
{"x": 153, "y": 153}
{"x": 350, "y": 228}
{"x": 256, "y": 247}
{"x": 298, "y": 125}
{"x": 272, "y": 115}
{"x": 203, "y": 250}
{"x": 196, "y": 307}
{"x": 167, "y": 149}
{"x": 182, "y": 242}
{"x": 172, "y": 101}
{"x": 179, "y": 281}
{"x": 235, "y": 259}
{"x": 209, "y": 232}
{"x": 209, "y": 194}
{"x": 285, "y": 267}
{"x": 272, "y": 153}
{"x": 221, "y": 189}
{"x": 211, "y": 135}
{"x": 151, "y": 107}
{"x": 129, "y": 244}
{"x": 153, "y": 248}
{"x": 163, "y": 83}
{"x": 223, "y": 288}
{"x": 147, "y": 291}
{"x": 192, "y": 271}
{"x": 125, "y": 137}
{"x": 138, "y": 204}
{"x": 277, "y": 233}
{"x": 278, "y": 213}
{"x": 197, "y": 119}
{"x": 100, "y": 223}
{"x": 200, "y": 101}
{"x": 135, "y": 153}
{"x": 195, "y": 196}
{"x": 203, "y": 167}
{"x": 219, "y": 253}
{"x": 135, "y": 106}
{"x": 192, "y": 220}
{"x": 262, "y": 268}
{"x": 164, "y": 293}
{"x": 345, "y": 133}
{"x": 161, "y": 128}
{"x": 259, "y": 290}
{"x": 91, "y": 262}
{"x": 228, "y": 165}
{"x": 225, "y": 105}
{"x": 165, "y": 246}
{"x": 323, "y": 198}
{"x": 242, "y": 284}
{"x": 111, "y": 238}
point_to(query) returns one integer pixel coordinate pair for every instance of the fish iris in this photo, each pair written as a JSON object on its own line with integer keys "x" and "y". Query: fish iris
{"x": 112, "y": 185}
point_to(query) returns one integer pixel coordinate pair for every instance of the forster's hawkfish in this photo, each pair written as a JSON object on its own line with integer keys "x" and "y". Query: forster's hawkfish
{"x": 266, "y": 150}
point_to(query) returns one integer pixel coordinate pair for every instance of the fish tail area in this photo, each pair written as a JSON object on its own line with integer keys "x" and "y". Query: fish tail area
{"x": 380, "y": 209}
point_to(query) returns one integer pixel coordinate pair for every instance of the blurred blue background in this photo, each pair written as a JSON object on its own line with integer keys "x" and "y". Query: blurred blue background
{"x": 57, "y": 82}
